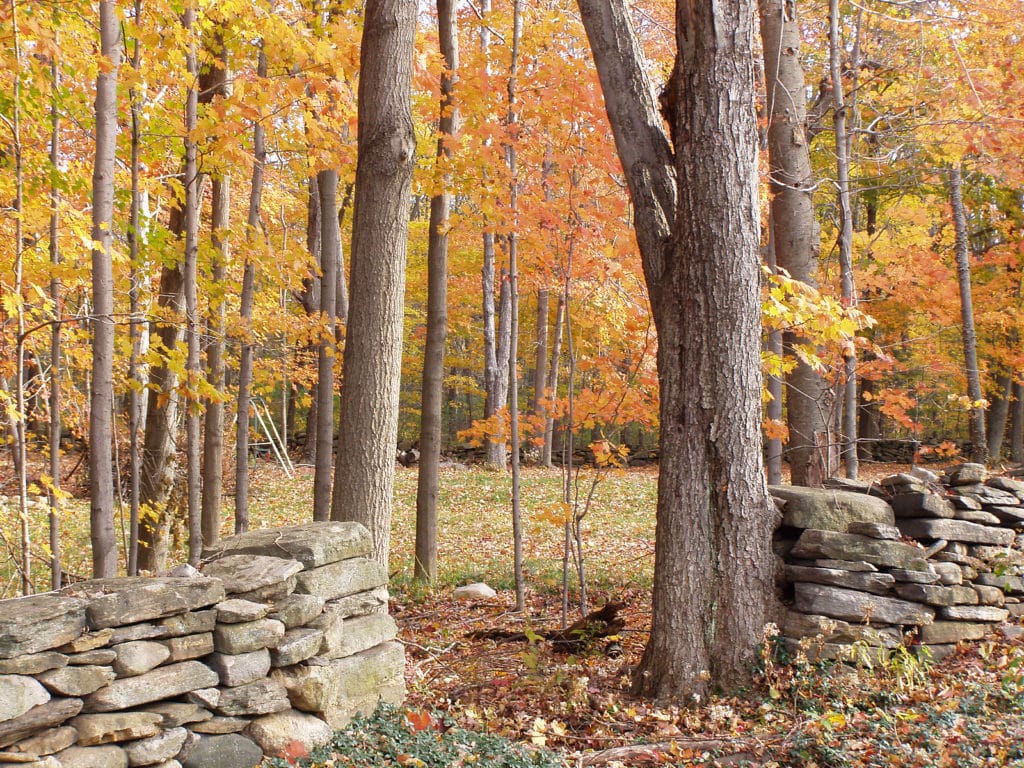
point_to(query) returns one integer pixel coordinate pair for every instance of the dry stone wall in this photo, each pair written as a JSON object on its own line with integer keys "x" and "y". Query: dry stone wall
{"x": 282, "y": 638}
{"x": 938, "y": 557}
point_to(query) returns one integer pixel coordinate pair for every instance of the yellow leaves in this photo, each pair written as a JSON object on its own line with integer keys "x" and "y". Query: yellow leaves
{"x": 558, "y": 514}
{"x": 775, "y": 430}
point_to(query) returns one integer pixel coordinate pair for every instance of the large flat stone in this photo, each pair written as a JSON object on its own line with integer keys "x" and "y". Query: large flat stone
{"x": 297, "y": 645}
{"x": 854, "y": 606}
{"x": 312, "y": 544}
{"x": 956, "y": 530}
{"x": 139, "y": 656}
{"x": 248, "y": 636}
{"x": 1008, "y": 515}
{"x": 347, "y": 577}
{"x": 242, "y": 668}
{"x": 297, "y": 610}
{"x": 815, "y": 544}
{"x": 280, "y": 731}
{"x": 249, "y": 573}
{"x": 38, "y": 623}
{"x": 111, "y": 727}
{"x": 798, "y": 625}
{"x": 76, "y": 681}
{"x": 261, "y": 697}
{"x": 175, "y": 713}
{"x": 876, "y": 583}
{"x": 33, "y": 663}
{"x": 122, "y": 601}
{"x": 156, "y": 749}
{"x": 52, "y": 713}
{"x": 362, "y": 603}
{"x": 1010, "y": 584}
{"x": 829, "y": 509}
{"x": 106, "y": 756}
{"x": 160, "y": 683}
{"x": 974, "y": 613}
{"x": 189, "y": 646}
{"x": 49, "y": 741}
{"x": 228, "y": 751}
{"x": 921, "y": 505}
{"x": 19, "y": 694}
{"x": 952, "y": 632}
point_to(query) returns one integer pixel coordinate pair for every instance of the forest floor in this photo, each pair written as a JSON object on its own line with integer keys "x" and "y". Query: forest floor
{"x": 967, "y": 710}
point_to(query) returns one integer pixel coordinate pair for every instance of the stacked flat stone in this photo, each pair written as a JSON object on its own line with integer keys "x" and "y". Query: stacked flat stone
{"x": 866, "y": 565}
{"x": 207, "y": 671}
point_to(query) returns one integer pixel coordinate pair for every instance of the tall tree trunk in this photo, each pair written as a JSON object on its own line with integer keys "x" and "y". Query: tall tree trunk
{"x": 54, "y": 492}
{"x": 1017, "y": 424}
{"x": 795, "y": 235}
{"x": 540, "y": 371}
{"x": 848, "y": 291}
{"x": 252, "y": 224}
{"x": 330, "y": 247}
{"x": 365, "y": 471}
{"x": 215, "y": 81}
{"x": 552, "y": 382}
{"x": 774, "y": 346}
{"x": 998, "y": 414}
{"x": 101, "y": 405}
{"x": 310, "y": 300}
{"x": 437, "y": 305}
{"x": 713, "y": 563}
{"x": 979, "y": 448}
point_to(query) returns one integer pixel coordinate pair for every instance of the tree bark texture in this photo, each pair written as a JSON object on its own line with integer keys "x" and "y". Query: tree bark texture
{"x": 998, "y": 415}
{"x": 795, "y": 234}
{"x": 330, "y": 250}
{"x": 56, "y": 339}
{"x": 976, "y": 418}
{"x": 310, "y": 300}
{"x": 364, "y": 475}
{"x": 101, "y": 470}
{"x": 552, "y": 382}
{"x": 428, "y": 481}
{"x": 773, "y": 409}
{"x": 1017, "y": 423}
{"x": 540, "y": 371}
{"x": 713, "y": 564}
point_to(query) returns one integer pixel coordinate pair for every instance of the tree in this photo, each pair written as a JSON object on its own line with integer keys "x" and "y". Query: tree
{"x": 365, "y": 469}
{"x": 437, "y": 304}
{"x": 101, "y": 406}
{"x": 696, "y": 221}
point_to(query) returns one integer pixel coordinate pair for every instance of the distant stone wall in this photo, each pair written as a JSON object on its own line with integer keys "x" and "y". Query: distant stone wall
{"x": 941, "y": 557}
{"x": 282, "y": 638}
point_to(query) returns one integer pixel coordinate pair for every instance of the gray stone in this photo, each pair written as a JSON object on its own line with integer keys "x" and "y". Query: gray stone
{"x": 849, "y": 546}
{"x": 846, "y": 565}
{"x": 115, "y": 726}
{"x": 246, "y": 573}
{"x": 76, "y": 681}
{"x": 29, "y": 625}
{"x": 242, "y": 668}
{"x": 340, "y": 688}
{"x": 828, "y": 509}
{"x": 856, "y": 486}
{"x": 934, "y": 653}
{"x": 312, "y": 544}
{"x": 191, "y": 623}
{"x": 297, "y": 610}
{"x": 362, "y": 603}
{"x": 798, "y": 625}
{"x": 280, "y": 731}
{"x": 930, "y": 594}
{"x": 297, "y": 645}
{"x": 915, "y": 577}
{"x": 101, "y": 657}
{"x": 966, "y": 474}
{"x": 260, "y": 697}
{"x": 345, "y": 637}
{"x": 914, "y": 505}
{"x": 949, "y": 574}
{"x": 877, "y": 583}
{"x": 990, "y": 595}
{"x": 15, "y": 760}
{"x": 964, "y": 561}
{"x": 986, "y": 495}
{"x": 122, "y": 601}
{"x": 874, "y": 530}
{"x": 160, "y": 683}
{"x": 1005, "y": 484}
{"x": 156, "y": 749}
{"x": 228, "y": 751}
{"x": 1016, "y": 610}
{"x": 858, "y": 606}
{"x": 33, "y": 663}
{"x": 342, "y": 578}
{"x": 19, "y": 694}
{"x": 1009, "y": 584}
{"x": 974, "y": 613}
{"x": 858, "y": 655}
{"x": 49, "y": 741}
{"x": 189, "y": 646}
{"x": 146, "y": 630}
{"x": 109, "y": 756}
{"x": 234, "y": 611}
{"x": 90, "y": 641}
{"x": 220, "y": 724}
{"x": 168, "y": 764}
{"x": 999, "y": 556}
{"x": 956, "y": 530}
{"x": 248, "y": 636}
{"x": 139, "y": 656}
{"x": 52, "y": 713}
{"x": 270, "y": 593}
{"x": 976, "y": 516}
{"x": 175, "y": 713}
{"x": 476, "y": 591}
{"x": 1006, "y": 515}
{"x": 965, "y": 595}
{"x": 964, "y": 502}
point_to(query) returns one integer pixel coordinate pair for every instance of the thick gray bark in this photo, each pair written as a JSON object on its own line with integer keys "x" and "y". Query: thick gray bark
{"x": 976, "y": 420}
{"x": 795, "y": 234}
{"x": 1017, "y": 424}
{"x": 365, "y": 470}
{"x": 330, "y": 249}
{"x": 540, "y": 370}
{"x": 310, "y": 300}
{"x": 998, "y": 415}
{"x": 101, "y": 470}
{"x": 428, "y": 481}
{"x": 713, "y": 564}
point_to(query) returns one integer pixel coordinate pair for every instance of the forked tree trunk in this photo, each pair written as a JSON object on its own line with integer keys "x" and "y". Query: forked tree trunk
{"x": 365, "y": 470}
{"x": 428, "y": 482}
{"x": 713, "y": 562}
{"x": 101, "y": 470}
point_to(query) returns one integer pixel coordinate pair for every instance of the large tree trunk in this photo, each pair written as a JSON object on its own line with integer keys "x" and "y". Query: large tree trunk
{"x": 365, "y": 471}
{"x": 101, "y": 470}
{"x": 998, "y": 415}
{"x": 979, "y": 447}
{"x": 135, "y": 322}
{"x": 216, "y": 82}
{"x": 1017, "y": 423}
{"x": 552, "y": 382}
{"x": 795, "y": 234}
{"x": 330, "y": 249}
{"x": 437, "y": 306}
{"x": 773, "y": 409}
{"x": 713, "y": 563}
{"x": 540, "y": 370}
{"x": 310, "y": 300}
